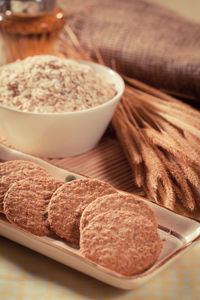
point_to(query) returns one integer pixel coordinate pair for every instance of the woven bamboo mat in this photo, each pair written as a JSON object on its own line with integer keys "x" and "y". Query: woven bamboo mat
{"x": 106, "y": 162}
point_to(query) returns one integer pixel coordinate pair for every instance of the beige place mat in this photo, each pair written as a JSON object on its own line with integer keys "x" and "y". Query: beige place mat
{"x": 106, "y": 162}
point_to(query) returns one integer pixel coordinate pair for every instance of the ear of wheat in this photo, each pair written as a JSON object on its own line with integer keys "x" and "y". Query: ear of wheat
{"x": 166, "y": 134}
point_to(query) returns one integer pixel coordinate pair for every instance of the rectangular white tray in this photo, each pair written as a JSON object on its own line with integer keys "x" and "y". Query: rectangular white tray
{"x": 179, "y": 234}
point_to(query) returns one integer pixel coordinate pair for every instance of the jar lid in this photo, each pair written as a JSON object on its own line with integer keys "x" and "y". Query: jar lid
{"x": 27, "y": 8}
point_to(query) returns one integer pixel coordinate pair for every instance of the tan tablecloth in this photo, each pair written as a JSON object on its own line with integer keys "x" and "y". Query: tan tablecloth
{"x": 27, "y": 275}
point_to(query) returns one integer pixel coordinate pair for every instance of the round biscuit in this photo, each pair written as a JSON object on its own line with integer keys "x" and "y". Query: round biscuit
{"x": 121, "y": 241}
{"x": 26, "y": 203}
{"x": 121, "y": 202}
{"x": 68, "y": 203}
{"x": 14, "y": 170}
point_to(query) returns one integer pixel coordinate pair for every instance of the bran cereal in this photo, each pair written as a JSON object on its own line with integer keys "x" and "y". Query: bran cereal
{"x": 49, "y": 84}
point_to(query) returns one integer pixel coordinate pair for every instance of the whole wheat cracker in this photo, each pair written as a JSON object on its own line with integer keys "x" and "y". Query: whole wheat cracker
{"x": 120, "y": 202}
{"x": 68, "y": 203}
{"x": 121, "y": 241}
{"x": 11, "y": 171}
{"x": 26, "y": 202}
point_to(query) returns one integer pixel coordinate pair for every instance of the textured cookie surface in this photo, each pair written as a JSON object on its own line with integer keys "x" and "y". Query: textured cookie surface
{"x": 11, "y": 171}
{"x": 26, "y": 203}
{"x": 120, "y": 202}
{"x": 68, "y": 203}
{"x": 121, "y": 241}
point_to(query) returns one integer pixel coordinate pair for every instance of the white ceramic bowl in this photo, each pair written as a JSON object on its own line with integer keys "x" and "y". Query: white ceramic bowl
{"x": 61, "y": 134}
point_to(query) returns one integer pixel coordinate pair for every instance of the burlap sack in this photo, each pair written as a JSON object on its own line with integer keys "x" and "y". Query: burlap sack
{"x": 148, "y": 41}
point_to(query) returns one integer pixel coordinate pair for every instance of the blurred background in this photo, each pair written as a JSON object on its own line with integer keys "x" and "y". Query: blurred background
{"x": 187, "y": 8}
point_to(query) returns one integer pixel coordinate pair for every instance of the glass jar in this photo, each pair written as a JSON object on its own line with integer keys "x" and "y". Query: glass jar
{"x": 29, "y": 28}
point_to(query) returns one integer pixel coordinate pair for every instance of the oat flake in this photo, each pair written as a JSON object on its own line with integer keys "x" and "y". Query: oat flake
{"x": 48, "y": 84}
